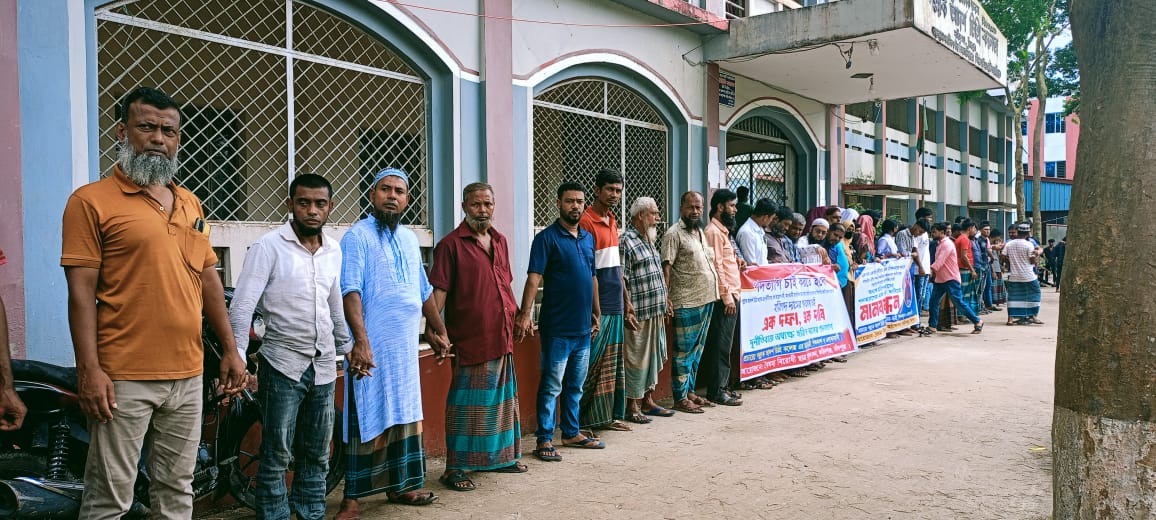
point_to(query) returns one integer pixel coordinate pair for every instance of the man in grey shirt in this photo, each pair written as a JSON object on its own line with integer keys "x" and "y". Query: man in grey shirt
{"x": 292, "y": 276}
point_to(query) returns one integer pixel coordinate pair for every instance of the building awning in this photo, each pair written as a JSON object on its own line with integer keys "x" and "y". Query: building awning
{"x": 886, "y": 190}
{"x": 852, "y": 51}
{"x": 991, "y": 205}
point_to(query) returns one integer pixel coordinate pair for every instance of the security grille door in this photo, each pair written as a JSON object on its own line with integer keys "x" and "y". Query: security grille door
{"x": 758, "y": 157}
{"x": 269, "y": 89}
{"x": 584, "y": 125}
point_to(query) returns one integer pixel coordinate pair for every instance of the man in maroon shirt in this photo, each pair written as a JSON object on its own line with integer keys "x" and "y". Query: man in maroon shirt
{"x": 471, "y": 279}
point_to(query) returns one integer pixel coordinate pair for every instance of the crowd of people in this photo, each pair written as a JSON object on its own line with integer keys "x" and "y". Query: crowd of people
{"x": 609, "y": 292}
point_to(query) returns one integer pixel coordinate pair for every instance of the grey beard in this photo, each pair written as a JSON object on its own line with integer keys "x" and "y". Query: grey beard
{"x": 478, "y": 225}
{"x": 386, "y": 221}
{"x": 652, "y": 234}
{"x": 144, "y": 169}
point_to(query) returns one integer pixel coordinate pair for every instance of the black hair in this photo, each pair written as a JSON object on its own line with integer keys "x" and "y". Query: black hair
{"x": 966, "y": 224}
{"x": 763, "y": 207}
{"x": 830, "y": 210}
{"x": 923, "y": 213}
{"x": 606, "y": 176}
{"x": 960, "y": 218}
{"x": 722, "y": 196}
{"x": 995, "y": 233}
{"x": 309, "y": 180}
{"x": 940, "y": 227}
{"x": 984, "y": 223}
{"x": 1051, "y": 240}
{"x": 743, "y": 192}
{"x": 147, "y": 95}
{"x": 875, "y": 214}
{"x": 921, "y": 223}
{"x": 889, "y": 226}
{"x": 784, "y": 213}
{"x": 955, "y": 228}
{"x": 569, "y": 186}
{"x": 837, "y": 225}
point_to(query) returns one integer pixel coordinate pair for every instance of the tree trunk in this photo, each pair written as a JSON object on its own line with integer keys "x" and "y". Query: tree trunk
{"x": 1104, "y": 427}
{"x": 1021, "y": 208}
{"x": 1038, "y": 137}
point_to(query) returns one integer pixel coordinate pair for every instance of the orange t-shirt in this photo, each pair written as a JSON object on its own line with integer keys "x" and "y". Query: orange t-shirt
{"x": 148, "y": 294}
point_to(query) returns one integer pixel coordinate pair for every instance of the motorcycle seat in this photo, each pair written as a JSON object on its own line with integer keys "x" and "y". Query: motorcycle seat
{"x": 29, "y": 370}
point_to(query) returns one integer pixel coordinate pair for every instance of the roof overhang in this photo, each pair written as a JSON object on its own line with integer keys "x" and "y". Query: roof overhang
{"x": 894, "y": 48}
{"x": 991, "y": 205}
{"x": 681, "y": 12}
{"x": 888, "y": 190}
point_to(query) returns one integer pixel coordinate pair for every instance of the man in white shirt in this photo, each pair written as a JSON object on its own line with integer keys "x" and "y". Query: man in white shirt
{"x": 291, "y": 275}
{"x": 750, "y": 237}
{"x": 1023, "y": 288}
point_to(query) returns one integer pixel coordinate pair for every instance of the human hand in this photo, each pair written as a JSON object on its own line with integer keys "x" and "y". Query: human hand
{"x": 523, "y": 326}
{"x": 730, "y": 307}
{"x": 631, "y": 320}
{"x": 361, "y": 359}
{"x": 595, "y": 324}
{"x": 97, "y": 394}
{"x": 440, "y": 344}
{"x": 234, "y": 377}
{"x": 12, "y": 410}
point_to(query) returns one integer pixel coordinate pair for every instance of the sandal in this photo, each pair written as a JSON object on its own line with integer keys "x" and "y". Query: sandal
{"x": 978, "y": 328}
{"x": 638, "y": 418}
{"x": 413, "y": 498}
{"x": 457, "y": 480}
{"x": 516, "y": 467}
{"x": 1035, "y": 321}
{"x": 547, "y": 453}
{"x": 727, "y": 400}
{"x": 617, "y": 426}
{"x": 586, "y": 443}
{"x": 839, "y": 359}
{"x": 659, "y": 411}
{"x": 687, "y": 406}
{"x": 702, "y": 402}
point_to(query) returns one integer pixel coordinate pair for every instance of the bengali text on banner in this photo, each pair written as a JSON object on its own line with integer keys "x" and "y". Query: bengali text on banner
{"x": 884, "y": 299}
{"x": 791, "y": 315}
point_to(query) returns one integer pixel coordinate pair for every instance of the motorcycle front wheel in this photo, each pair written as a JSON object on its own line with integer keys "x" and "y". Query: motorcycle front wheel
{"x": 246, "y": 450}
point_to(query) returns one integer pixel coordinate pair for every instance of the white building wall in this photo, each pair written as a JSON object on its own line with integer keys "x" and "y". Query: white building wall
{"x": 750, "y": 93}
{"x": 459, "y": 34}
{"x": 954, "y": 184}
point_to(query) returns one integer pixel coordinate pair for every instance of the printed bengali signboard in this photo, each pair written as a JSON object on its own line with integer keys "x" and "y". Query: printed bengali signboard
{"x": 884, "y": 299}
{"x": 791, "y": 315}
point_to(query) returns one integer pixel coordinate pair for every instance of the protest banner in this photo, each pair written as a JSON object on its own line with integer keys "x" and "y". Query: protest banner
{"x": 791, "y": 315}
{"x": 884, "y": 299}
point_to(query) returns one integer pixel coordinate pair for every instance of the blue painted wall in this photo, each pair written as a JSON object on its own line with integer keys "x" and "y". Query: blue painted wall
{"x": 46, "y": 161}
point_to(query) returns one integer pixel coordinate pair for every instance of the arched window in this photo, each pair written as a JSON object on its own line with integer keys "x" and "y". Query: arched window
{"x": 759, "y": 156}
{"x": 269, "y": 89}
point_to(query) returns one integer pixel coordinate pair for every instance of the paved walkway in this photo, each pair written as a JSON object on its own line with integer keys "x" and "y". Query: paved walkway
{"x": 950, "y": 427}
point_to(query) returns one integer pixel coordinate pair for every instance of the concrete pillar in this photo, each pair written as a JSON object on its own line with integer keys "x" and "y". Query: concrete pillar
{"x": 498, "y": 87}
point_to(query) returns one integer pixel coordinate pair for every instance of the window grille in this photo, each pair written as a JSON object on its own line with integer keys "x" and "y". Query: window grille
{"x": 736, "y": 8}
{"x": 268, "y": 89}
{"x": 584, "y": 125}
{"x": 757, "y": 159}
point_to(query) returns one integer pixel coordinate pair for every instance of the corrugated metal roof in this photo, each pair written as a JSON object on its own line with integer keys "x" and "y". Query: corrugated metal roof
{"x": 1057, "y": 196}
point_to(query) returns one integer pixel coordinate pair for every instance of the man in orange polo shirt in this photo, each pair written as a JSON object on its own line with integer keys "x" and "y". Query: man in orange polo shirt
{"x": 139, "y": 267}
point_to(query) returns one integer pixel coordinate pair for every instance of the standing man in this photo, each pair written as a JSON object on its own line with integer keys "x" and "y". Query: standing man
{"x": 945, "y": 273}
{"x": 968, "y": 276}
{"x": 794, "y": 233}
{"x": 716, "y": 357}
{"x": 1023, "y": 288}
{"x": 603, "y": 403}
{"x": 744, "y": 208}
{"x": 688, "y": 267}
{"x": 12, "y": 410}
{"x": 751, "y": 237}
{"x": 645, "y": 342}
{"x": 778, "y": 249}
{"x": 980, "y": 255}
{"x": 385, "y": 294}
{"x": 811, "y": 248}
{"x": 562, "y": 256}
{"x": 139, "y": 267}
{"x": 292, "y": 276}
{"x": 472, "y": 282}
{"x": 1058, "y": 255}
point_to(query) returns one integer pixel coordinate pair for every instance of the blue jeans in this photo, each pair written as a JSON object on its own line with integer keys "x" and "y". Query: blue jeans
{"x": 987, "y": 294}
{"x": 564, "y": 362}
{"x": 297, "y": 424}
{"x": 952, "y": 290}
{"x": 921, "y": 294}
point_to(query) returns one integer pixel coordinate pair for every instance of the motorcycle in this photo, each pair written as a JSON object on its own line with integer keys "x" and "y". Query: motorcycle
{"x": 42, "y": 463}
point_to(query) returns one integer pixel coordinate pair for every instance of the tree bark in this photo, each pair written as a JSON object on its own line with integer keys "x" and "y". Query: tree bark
{"x": 1021, "y": 208}
{"x": 1038, "y": 136}
{"x": 1104, "y": 428}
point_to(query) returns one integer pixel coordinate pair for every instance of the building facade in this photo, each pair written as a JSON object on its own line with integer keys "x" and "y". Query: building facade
{"x": 805, "y": 104}
{"x": 1061, "y": 134}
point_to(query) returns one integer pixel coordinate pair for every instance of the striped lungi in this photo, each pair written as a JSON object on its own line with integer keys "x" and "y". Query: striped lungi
{"x": 968, "y": 285}
{"x": 483, "y": 429}
{"x": 644, "y": 351}
{"x": 690, "y": 328}
{"x": 604, "y": 392}
{"x": 393, "y": 462}
{"x": 1023, "y": 299}
{"x": 998, "y": 290}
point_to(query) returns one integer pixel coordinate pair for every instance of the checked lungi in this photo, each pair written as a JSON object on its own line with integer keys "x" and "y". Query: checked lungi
{"x": 690, "y": 329}
{"x": 644, "y": 353}
{"x": 998, "y": 290}
{"x": 1023, "y": 299}
{"x": 968, "y": 285}
{"x": 604, "y": 392}
{"x": 393, "y": 462}
{"x": 483, "y": 426}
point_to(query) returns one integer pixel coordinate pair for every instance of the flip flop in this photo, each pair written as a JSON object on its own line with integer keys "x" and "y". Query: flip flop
{"x": 638, "y": 418}
{"x": 516, "y": 467}
{"x": 587, "y": 444}
{"x": 684, "y": 408}
{"x": 659, "y": 411}
{"x": 547, "y": 454}
{"x": 415, "y": 498}
{"x": 455, "y": 479}
{"x": 617, "y": 426}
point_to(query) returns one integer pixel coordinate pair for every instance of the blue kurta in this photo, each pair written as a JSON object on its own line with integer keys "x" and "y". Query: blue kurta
{"x": 387, "y": 270}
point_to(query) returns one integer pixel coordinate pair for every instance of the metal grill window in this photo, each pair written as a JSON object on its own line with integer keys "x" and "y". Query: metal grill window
{"x": 268, "y": 88}
{"x": 584, "y": 125}
{"x": 757, "y": 159}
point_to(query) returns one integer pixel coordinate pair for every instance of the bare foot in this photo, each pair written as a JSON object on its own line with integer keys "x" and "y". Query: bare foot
{"x": 348, "y": 510}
